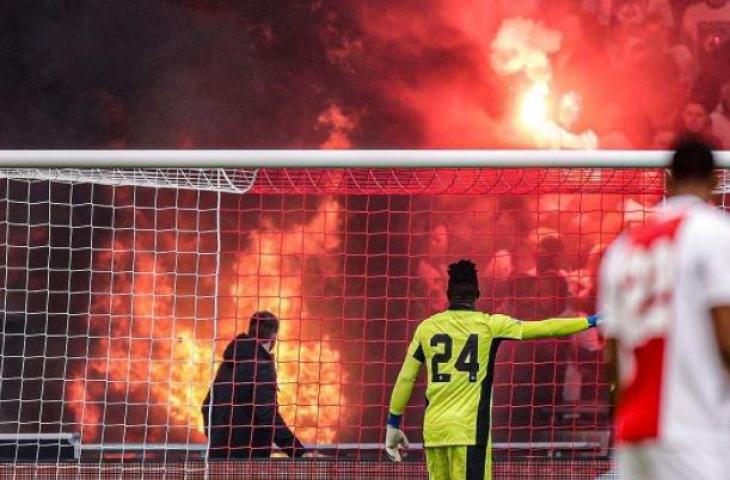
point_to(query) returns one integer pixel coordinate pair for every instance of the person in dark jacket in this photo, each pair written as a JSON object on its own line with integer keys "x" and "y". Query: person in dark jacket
{"x": 245, "y": 420}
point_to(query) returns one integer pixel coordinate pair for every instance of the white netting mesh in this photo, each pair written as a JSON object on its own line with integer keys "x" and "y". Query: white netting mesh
{"x": 109, "y": 305}
{"x": 217, "y": 179}
{"x": 121, "y": 289}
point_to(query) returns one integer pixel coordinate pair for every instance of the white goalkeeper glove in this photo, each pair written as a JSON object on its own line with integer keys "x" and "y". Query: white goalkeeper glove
{"x": 395, "y": 439}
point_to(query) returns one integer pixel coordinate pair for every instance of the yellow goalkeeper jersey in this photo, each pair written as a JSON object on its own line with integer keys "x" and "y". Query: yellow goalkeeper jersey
{"x": 459, "y": 349}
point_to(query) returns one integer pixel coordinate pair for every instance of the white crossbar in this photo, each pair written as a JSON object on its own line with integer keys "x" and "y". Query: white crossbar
{"x": 337, "y": 158}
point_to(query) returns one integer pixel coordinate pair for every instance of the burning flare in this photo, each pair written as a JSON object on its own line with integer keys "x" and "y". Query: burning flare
{"x": 522, "y": 47}
{"x": 534, "y": 111}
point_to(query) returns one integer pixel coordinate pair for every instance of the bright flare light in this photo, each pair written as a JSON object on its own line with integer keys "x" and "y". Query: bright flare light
{"x": 534, "y": 111}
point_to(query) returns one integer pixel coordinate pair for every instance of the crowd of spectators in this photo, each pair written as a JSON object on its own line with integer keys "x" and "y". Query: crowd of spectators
{"x": 648, "y": 70}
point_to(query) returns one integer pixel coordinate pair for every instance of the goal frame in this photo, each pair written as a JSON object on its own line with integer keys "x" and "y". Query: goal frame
{"x": 338, "y": 159}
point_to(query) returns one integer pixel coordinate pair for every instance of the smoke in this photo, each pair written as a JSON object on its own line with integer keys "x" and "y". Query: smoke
{"x": 170, "y": 70}
{"x": 164, "y": 73}
{"x": 524, "y": 46}
{"x": 339, "y": 126}
{"x": 522, "y": 51}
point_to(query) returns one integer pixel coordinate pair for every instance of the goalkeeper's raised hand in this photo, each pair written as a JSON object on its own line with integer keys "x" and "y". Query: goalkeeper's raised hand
{"x": 395, "y": 439}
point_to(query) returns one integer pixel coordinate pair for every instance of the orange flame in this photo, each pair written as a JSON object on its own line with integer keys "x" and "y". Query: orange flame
{"x": 152, "y": 352}
{"x": 269, "y": 278}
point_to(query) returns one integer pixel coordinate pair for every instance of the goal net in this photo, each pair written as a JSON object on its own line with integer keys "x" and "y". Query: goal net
{"x": 122, "y": 288}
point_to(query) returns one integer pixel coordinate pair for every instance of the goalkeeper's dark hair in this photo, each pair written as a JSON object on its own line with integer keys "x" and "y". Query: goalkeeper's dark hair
{"x": 693, "y": 161}
{"x": 463, "y": 281}
{"x": 263, "y": 326}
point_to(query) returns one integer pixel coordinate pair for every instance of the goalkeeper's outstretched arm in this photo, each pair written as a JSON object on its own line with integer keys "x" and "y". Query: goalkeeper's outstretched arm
{"x": 557, "y": 327}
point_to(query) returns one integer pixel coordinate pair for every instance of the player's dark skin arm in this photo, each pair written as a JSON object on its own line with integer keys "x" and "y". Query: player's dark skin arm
{"x": 721, "y": 322}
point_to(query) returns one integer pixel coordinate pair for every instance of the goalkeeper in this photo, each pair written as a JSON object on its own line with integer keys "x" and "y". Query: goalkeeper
{"x": 459, "y": 347}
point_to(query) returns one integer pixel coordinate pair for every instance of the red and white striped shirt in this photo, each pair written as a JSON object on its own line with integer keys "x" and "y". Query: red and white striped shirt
{"x": 658, "y": 284}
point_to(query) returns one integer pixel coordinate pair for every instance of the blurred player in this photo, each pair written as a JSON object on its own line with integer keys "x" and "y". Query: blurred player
{"x": 665, "y": 288}
{"x": 459, "y": 347}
